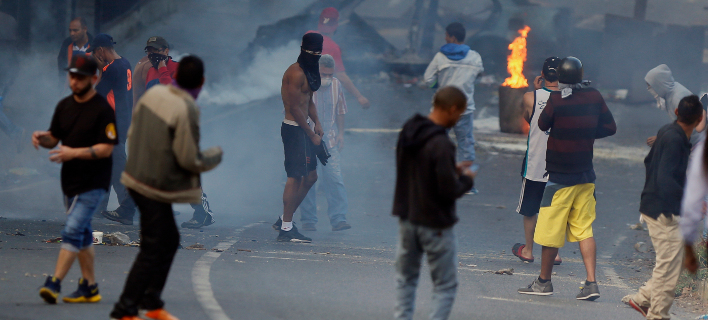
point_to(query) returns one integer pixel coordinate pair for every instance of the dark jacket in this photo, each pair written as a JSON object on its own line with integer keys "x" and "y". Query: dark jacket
{"x": 427, "y": 182}
{"x": 666, "y": 166}
{"x": 63, "y": 58}
{"x": 575, "y": 123}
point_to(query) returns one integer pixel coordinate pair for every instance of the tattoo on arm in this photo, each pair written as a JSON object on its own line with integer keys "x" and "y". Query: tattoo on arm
{"x": 93, "y": 153}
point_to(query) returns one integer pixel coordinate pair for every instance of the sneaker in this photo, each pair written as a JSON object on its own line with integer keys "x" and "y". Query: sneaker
{"x": 51, "y": 289}
{"x": 84, "y": 293}
{"x": 114, "y": 216}
{"x": 276, "y": 226}
{"x": 292, "y": 236}
{"x": 473, "y": 191}
{"x": 157, "y": 314}
{"x": 196, "y": 224}
{"x": 127, "y": 318}
{"x": 589, "y": 291}
{"x": 630, "y": 302}
{"x": 341, "y": 226}
{"x": 537, "y": 288}
{"x": 309, "y": 227}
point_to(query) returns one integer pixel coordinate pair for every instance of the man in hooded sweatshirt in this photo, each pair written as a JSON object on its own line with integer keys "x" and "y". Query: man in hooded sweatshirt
{"x": 457, "y": 65}
{"x": 668, "y": 93}
{"x": 428, "y": 182}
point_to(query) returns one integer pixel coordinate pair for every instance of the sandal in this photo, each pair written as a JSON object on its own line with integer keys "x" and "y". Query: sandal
{"x": 516, "y": 250}
{"x": 557, "y": 262}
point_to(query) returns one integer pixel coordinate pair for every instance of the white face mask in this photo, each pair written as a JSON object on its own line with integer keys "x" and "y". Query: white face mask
{"x": 660, "y": 102}
{"x": 326, "y": 82}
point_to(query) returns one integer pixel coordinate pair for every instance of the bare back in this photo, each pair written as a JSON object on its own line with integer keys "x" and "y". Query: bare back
{"x": 296, "y": 94}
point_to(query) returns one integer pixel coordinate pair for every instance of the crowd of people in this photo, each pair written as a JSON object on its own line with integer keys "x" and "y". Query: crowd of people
{"x": 114, "y": 107}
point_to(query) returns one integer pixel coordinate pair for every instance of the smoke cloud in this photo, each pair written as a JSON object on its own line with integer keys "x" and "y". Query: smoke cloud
{"x": 261, "y": 80}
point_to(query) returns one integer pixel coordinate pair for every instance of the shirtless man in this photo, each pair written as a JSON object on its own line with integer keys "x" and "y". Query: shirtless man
{"x": 299, "y": 141}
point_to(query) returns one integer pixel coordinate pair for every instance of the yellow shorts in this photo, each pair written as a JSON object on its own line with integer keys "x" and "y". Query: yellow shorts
{"x": 565, "y": 209}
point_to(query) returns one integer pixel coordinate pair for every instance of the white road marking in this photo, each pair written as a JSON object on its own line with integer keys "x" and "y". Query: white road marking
{"x": 200, "y": 278}
{"x": 523, "y": 301}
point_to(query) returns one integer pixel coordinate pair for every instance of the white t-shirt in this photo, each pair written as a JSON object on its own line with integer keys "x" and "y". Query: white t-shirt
{"x": 537, "y": 143}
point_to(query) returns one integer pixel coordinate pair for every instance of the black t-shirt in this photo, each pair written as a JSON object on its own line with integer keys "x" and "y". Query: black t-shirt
{"x": 81, "y": 125}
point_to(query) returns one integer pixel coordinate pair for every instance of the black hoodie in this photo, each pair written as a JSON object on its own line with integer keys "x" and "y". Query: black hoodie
{"x": 427, "y": 182}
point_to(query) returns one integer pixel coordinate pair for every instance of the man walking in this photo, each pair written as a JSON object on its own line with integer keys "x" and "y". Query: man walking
{"x": 533, "y": 171}
{"x": 327, "y": 26}
{"x": 457, "y": 65}
{"x": 300, "y": 81}
{"x": 162, "y": 169}
{"x": 116, "y": 86}
{"x": 331, "y": 108}
{"x": 428, "y": 182}
{"x": 660, "y": 205}
{"x": 576, "y": 116}
{"x": 84, "y": 123}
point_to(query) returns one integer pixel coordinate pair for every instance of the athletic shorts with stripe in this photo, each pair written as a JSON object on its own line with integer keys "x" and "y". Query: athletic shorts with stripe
{"x": 531, "y": 196}
{"x": 566, "y": 212}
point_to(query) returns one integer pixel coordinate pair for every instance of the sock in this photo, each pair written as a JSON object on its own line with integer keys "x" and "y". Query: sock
{"x": 281, "y": 217}
{"x": 542, "y": 281}
{"x": 587, "y": 283}
{"x": 287, "y": 226}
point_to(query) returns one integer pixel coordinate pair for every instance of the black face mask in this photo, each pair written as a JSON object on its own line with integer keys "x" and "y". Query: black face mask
{"x": 156, "y": 58}
{"x": 310, "y": 66}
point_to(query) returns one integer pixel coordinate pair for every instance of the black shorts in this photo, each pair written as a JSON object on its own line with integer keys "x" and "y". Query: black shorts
{"x": 300, "y": 157}
{"x": 531, "y": 196}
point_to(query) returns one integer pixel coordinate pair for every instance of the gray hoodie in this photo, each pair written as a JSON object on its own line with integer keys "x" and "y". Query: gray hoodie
{"x": 662, "y": 81}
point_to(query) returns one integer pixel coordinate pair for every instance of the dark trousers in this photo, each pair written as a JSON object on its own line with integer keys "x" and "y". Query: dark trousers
{"x": 126, "y": 205}
{"x": 158, "y": 245}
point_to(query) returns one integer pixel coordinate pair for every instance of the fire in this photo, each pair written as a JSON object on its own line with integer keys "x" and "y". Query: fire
{"x": 515, "y": 61}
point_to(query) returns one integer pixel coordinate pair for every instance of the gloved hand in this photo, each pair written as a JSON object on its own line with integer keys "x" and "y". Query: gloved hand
{"x": 322, "y": 153}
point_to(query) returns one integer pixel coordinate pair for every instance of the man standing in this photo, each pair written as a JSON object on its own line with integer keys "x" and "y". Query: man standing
{"x": 457, "y": 65}
{"x": 576, "y": 116}
{"x": 331, "y": 108}
{"x": 116, "y": 86}
{"x": 163, "y": 68}
{"x": 299, "y": 140}
{"x": 668, "y": 93}
{"x": 85, "y": 125}
{"x": 660, "y": 205}
{"x": 533, "y": 171}
{"x": 77, "y": 43}
{"x": 327, "y": 27}
{"x": 162, "y": 170}
{"x": 428, "y": 182}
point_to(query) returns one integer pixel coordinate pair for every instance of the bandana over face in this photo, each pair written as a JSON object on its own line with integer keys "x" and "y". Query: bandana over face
{"x": 309, "y": 58}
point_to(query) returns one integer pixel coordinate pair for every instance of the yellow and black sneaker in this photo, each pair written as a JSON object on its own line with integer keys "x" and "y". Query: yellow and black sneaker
{"x": 50, "y": 291}
{"x": 85, "y": 293}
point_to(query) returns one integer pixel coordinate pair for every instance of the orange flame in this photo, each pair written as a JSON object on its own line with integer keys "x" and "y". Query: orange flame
{"x": 515, "y": 61}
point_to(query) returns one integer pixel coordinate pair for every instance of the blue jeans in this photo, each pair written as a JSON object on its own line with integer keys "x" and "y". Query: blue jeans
{"x": 77, "y": 234}
{"x": 126, "y": 205}
{"x": 330, "y": 179}
{"x": 439, "y": 245}
{"x": 465, "y": 138}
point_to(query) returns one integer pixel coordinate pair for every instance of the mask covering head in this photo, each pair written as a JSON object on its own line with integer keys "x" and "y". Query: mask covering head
{"x": 660, "y": 102}
{"x": 156, "y": 58}
{"x": 309, "y": 58}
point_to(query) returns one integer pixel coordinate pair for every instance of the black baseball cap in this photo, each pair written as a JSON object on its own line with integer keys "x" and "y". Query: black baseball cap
{"x": 550, "y": 68}
{"x": 157, "y": 42}
{"x": 101, "y": 40}
{"x": 82, "y": 64}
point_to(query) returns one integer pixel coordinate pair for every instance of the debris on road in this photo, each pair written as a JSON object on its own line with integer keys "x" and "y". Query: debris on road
{"x": 637, "y": 226}
{"x": 641, "y": 247}
{"x": 246, "y": 250}
{"x": 196, "y": 246}
{"x": 117, "y": 238}
{"x": 217, "y": 250}
{"x": 509, "y": 271}
{"x": 17, "y": 233}
{"x": 55, "y": 240}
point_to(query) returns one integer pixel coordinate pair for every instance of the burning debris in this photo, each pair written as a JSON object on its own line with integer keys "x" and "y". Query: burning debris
{"x": 511, "y": 92}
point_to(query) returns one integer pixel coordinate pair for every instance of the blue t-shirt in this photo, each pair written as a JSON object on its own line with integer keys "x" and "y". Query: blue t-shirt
{"x": 116, "y": 85}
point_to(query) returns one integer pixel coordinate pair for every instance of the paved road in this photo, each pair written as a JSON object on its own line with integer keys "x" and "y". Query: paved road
{"x": 341, "y": 275}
